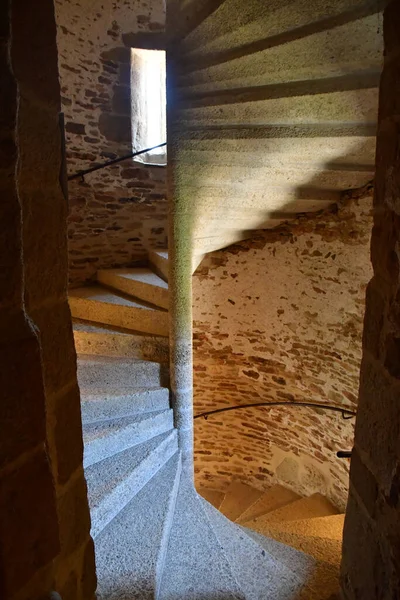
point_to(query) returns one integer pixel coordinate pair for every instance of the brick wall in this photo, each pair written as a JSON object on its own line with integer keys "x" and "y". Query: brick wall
{"x": 371, "y": 557}
{"x": 279, "y": 318}
{"x": 118, "y": 212}
{"x": 44, "y": 515}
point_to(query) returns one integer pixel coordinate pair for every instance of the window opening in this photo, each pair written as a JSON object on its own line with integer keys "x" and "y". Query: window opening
{"x": 148, "y": 104}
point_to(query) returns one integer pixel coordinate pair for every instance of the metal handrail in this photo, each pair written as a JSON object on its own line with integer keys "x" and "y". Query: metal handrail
{"x": 114, "y": 161}
{"x": 344, "y": 411}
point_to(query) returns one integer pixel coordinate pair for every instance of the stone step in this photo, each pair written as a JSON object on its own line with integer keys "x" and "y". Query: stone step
{"x": 100, "y": 374}
{"x": 320, "y": 579}
{"x": 330, "y": 528}
{"x": 260, "y": 575}
{"x": 113, "y": 482}
{"x": 323, "y": 549}
{"x": 238, "y": 497}
{"x": 315, "y": 505}
{"x": 139, "y": 282}
{"x": 103, "y": 405}
{"x": 195, "y": 563}
{"x": 276, "y": 497}
{"x": 101, "y": 305}
{"x": 159, "y": 261}
{"x": 130, "y": 551}
{"x": 214, "y": 497}
{"x": 104, "y": 340}
{"x": 105, "y": 438}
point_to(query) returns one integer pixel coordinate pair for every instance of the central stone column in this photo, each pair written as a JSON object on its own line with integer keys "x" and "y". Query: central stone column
{"x": 180, "y": 246}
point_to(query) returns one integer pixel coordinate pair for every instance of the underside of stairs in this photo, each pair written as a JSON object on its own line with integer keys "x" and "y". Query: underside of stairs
{"x": 275, "y": 108}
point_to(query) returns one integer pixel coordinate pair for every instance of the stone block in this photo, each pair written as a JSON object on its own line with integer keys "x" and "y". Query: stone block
{"x": 364, "y": 482}
{"x": 57, "y": 345}
{"x": 28, "y": 523}
{"x": 36, "y": 69}
{"x": 22, "y": 407}
{"x": 88, "y": 577}
{"x": 361, "y": 555}
{"x": 68, "y": 426}
{"x": 73, "y": 516}
{"x": 378, "y": 421}
{"x": 391, "y": 27}
{"x": 39, "y": 143}
{"x": 376, "y": 307}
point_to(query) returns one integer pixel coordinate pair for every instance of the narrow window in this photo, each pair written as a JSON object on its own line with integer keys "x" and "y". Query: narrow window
{"x": 148, "y": 86}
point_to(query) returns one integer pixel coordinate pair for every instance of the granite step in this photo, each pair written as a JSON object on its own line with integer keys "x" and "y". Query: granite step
{"x": 140, "y": 283}
{"x": 101, "y": 305}
{"x": 320, "y": 579}
{"x": 259, "y": 574}
{"x": 105, "y": 438}
{"x": 276, "y": 497}
{"x": 113, "y": 482}
{"x": 98, "y": 374}
{"x": 196, "y": 566}
{"x": 158, "y": 259}
{"x": 105, "y": 340}
{"x": 130, "y": 551}
{"x": 103, "y": 405}
{"x": 315, "y": 505}
{"x": 238, "y": 497}
{"x": 214, "y": 497}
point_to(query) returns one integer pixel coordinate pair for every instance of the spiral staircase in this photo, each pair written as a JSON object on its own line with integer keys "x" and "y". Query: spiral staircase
{"x": 273, "y": 110}
{"x": 155, "y": 535}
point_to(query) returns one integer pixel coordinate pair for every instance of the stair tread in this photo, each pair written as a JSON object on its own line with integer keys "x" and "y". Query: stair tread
{"x": 98, "y": 373}
{"x": 322, "y": 549}
{"x": 238, "y": 498}
{"x": 300, "y": 563}
{"x": 321, "y": 578}
{"x": 276, "y": 497}
{"x": 103, "y": 295}
{"x": 103, "y": 404}
{"x": 80, "y": 325}
{"x": 130, "y": 550}
{"x": 330, "y": 527}
{"x": 105, "y": 438}
{"x": 106, "y": 427}
{"x": 115, "y": 480}
{"x": 139, "y": 275}
{"x": 259, "y": 574}
{"x": 195, "y": 564}
{"x": 315, "y": 505}
{"x": 214, "y": 497}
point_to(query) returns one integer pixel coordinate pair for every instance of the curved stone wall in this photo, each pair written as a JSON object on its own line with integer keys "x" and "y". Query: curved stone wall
{"x": 279, "y": 318}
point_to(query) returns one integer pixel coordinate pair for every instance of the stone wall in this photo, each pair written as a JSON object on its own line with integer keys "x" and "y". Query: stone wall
{"x": 279, "y": 318}
{"x": 118, "y": 212}
{"x": 371, "y": 544}
{"x": 44, "y": 516}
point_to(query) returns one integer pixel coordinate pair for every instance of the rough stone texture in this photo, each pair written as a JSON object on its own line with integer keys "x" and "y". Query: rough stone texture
{"x": 118, "y": 212}
{"x": 39, "y": 464}
{"x": 371, "y": 559}
{"x": 279, "y": 318}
